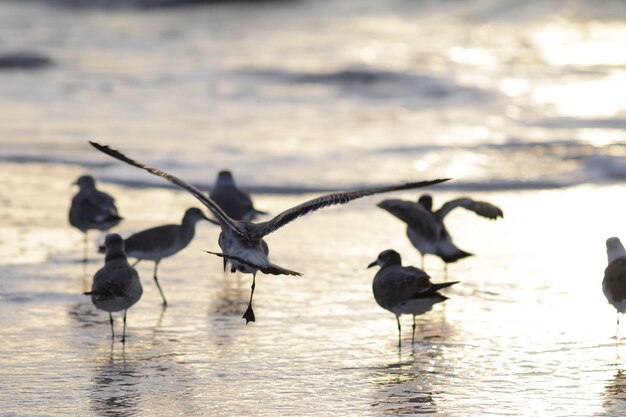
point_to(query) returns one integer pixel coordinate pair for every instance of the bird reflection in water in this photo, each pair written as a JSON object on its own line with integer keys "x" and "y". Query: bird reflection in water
{"x": 114, "y": 391}
{"x": 407, "y": 387}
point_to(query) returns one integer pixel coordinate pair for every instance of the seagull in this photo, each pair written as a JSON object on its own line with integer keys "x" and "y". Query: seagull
{"x": 235, "y": 202}
{"x": 425, "y": 227}
{"x": 241, "y": 241}
{"x": 116, "y": 285}
{"x": 92, "y": 209}
{"x": 163, "y": 241}
{"x": 614, "y": 282}
{"x": 404, "y": 289}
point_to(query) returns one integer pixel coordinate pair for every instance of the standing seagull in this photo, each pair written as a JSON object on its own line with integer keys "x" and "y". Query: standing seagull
{"x": 242, "y": 242}
{"x": 116, "y": 285}
{"x": 162, "y": 241}
{"x": 425, "y": 227}
{"x": 92, "y": 209}
{"x": 614, "y": 282}
{"x": 235, "y": 202}
{"x": 404, "y": 289}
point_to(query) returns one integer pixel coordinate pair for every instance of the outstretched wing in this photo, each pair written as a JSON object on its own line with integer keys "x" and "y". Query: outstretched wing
{"x": 482, "y": 208}
{"x": 222, "y": 217}
{"x": 413, "y": 214}
{"x": 261, "y": 229}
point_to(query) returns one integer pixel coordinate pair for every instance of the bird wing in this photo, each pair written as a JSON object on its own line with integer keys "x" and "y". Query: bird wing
{"x": 262, "y": 229}
{"x": 413, "y": 214}
{"x": 482, "y": 208}
{"x": 614, "y": 278}
{"x": 398, "y": 284}
{"x": 222, "y": 217}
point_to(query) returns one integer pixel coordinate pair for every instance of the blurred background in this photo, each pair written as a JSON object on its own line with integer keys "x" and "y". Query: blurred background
{"x": 321, "y": 94}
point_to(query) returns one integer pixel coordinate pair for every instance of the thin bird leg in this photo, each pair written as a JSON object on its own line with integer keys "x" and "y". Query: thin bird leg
{"x": 413, "y": 337}
{"x": 445, "y": 272}
{"x": 423, "y": 263}
{"x": 399, "y": 332}
{"x": 124, "y": 332}
{"x": 249, "y": 314}
{"x": 85, "y": 247}
{"x": 111, "y": 321}
{"x": 156, "y": 265}
{"x": 136, "y": 262}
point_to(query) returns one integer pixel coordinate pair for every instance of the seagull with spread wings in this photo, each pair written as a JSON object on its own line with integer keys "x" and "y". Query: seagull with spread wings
{"x": 425, "y": 227}
{"x": 242, "y": 241}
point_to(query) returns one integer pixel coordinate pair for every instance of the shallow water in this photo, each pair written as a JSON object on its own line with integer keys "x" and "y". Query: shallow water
{"x": 520, "y": 102}
{"x": 526, "y": 332}
{"x": 308, "y": 94}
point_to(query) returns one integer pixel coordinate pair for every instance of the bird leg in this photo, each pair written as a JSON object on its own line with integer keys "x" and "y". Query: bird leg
{"x": 124, "y": 332}
{"x": 156, "y": 280}
{"x": 249, "y": 314}
{"x": 111, "y": 321}
{"x": 136, "y": 262}
{"x": 413, "y": 336}
{"x": 85, "y": 247}
{"x": 399, "y": 332}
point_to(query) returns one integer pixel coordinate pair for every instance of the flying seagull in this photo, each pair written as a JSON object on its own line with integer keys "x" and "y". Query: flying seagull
{"x": 235, "y": 202}
{"x": 425, "y": 227}
{"x": 116, "y": 285}
{"x": 404, "y": 289}
{"x": 242, "y": 242}
{"x": 92, "y": 209}
{"x": 614, "y": 282}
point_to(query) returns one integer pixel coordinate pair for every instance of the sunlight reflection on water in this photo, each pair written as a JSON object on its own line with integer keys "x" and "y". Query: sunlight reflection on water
{"x": 527, "y": 332}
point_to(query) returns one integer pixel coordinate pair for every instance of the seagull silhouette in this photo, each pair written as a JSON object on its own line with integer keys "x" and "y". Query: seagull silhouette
{"x": 614, "y": 282}
{"x": 404, "y": 289}
{"x": 116, "y": 285}
{"x": 242, "y": 241}
{"x": 235, "y": 202}
{"x": 160, "y": 242}
{"x": 92, "y": 209}
{"x": 425, "y": 227}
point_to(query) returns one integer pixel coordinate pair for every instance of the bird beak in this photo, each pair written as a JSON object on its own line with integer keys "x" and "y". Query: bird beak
{"x": 372, "y": 264}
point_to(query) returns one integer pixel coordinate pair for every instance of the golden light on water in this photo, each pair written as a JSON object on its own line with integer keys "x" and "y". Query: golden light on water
{"x": 584, "y": 44}
{"x": 594, "y": 98}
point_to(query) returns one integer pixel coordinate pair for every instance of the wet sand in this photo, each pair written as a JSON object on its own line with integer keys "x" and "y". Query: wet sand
{"x": 527, "y": 332}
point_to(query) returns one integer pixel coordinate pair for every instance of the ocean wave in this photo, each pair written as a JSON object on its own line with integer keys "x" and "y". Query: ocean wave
{"x": 514, "y": 165}
{"x": 373, "y": 83}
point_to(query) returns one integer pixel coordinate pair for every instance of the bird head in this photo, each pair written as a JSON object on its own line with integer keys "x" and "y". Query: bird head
{"x": 426, "y": 201}
{"x": 386, "y": 258}
{"x": 614, "y": 249}
{"x": 85, "y": 182}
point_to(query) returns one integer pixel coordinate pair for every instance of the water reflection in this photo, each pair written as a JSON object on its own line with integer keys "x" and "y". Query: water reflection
{"x": 114, "y": 391}
{"x": 406, "y": 387}
{"x": 228, "y": 303}
{"x": 615, "y": 394}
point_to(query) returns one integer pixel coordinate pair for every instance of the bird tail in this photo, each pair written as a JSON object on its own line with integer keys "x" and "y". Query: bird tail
{"x": 266, "y": 268}
{"x": 442, "y": 285}
{"x": 453, "y": 257}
